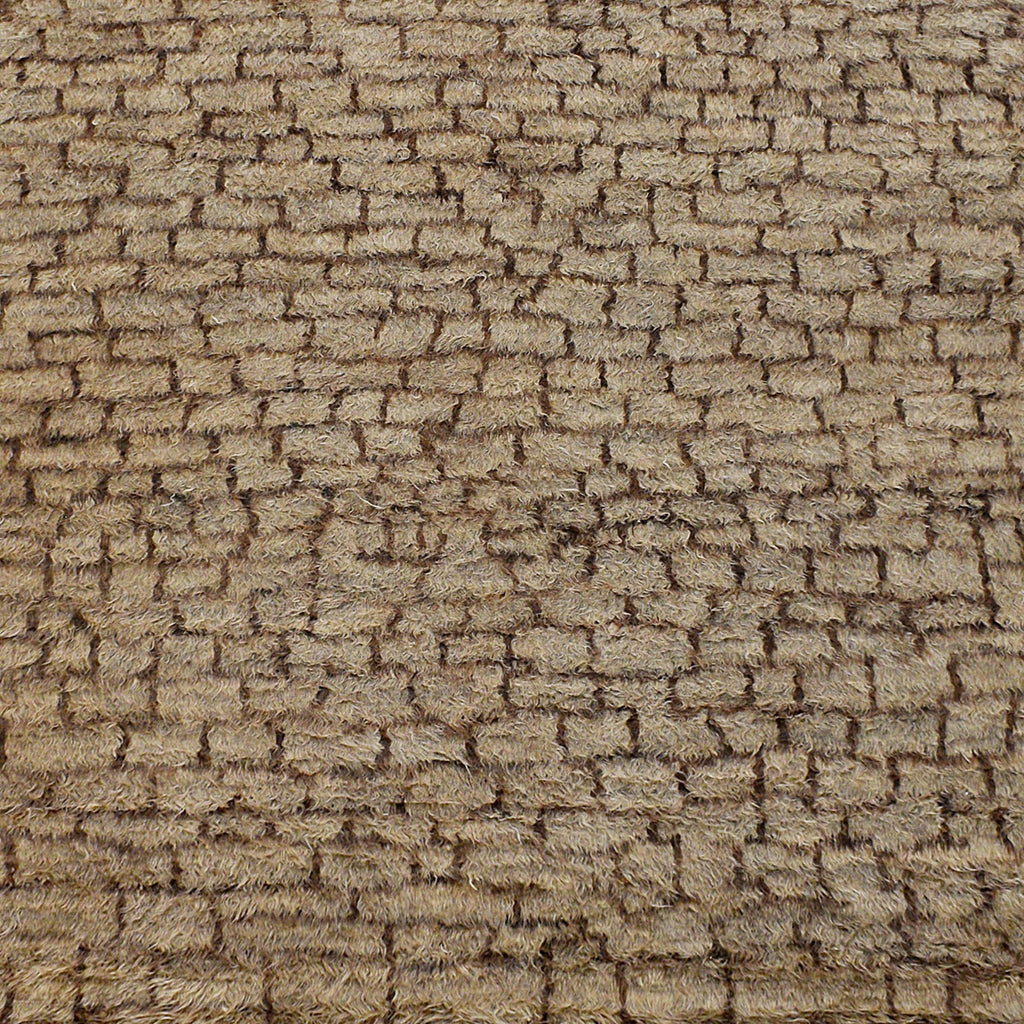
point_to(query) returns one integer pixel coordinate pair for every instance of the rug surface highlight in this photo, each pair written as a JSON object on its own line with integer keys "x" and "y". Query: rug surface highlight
{"x": 511, "y": 512}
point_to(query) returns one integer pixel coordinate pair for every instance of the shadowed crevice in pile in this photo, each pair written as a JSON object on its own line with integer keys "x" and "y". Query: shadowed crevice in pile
{"x": 511, "y": 512}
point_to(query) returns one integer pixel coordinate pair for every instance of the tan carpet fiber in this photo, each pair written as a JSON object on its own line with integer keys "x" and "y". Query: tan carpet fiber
{"x": 511, "y": 512}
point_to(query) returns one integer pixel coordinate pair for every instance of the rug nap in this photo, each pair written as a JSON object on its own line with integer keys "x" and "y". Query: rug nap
{"x": 511, "y": 512}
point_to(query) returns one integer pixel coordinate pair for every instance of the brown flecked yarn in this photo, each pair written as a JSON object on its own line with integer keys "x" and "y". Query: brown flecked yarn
{"x": 511, "y": 512}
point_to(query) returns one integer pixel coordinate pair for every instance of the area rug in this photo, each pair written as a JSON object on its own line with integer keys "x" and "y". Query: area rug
{"x": 511, "y": 512}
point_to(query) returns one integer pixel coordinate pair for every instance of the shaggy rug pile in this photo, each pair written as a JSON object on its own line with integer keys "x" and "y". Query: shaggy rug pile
{"x": 511, "y": 512}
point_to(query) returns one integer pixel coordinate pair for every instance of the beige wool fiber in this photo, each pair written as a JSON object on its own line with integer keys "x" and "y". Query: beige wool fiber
{"x": 511, "y": 512}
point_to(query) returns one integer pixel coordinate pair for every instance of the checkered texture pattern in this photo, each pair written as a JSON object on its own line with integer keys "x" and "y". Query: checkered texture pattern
{"x": 511, "y": 512}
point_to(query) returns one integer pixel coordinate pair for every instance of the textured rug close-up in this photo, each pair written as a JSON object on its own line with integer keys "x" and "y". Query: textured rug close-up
{"x": 511, "y": 512}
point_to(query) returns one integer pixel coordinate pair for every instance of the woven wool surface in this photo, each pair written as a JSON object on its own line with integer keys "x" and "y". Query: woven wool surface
{"x": 511, "y": 512}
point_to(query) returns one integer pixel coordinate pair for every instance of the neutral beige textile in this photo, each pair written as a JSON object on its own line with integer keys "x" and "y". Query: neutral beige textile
{"x": 511, "y": 512}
